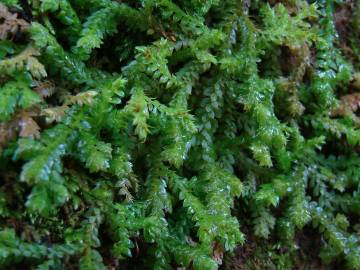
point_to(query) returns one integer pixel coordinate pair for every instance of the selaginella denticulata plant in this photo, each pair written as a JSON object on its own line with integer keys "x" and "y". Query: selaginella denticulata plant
{"x": 179, "y": 134}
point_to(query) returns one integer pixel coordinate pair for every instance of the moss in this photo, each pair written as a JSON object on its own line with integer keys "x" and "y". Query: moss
{"x": 162, "y": 134}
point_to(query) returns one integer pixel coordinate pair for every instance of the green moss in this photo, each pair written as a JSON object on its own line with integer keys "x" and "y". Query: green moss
{"x": 167, "y": 127}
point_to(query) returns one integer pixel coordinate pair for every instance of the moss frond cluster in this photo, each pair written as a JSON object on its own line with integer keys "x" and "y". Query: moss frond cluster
{"x": 160, "y": 134}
